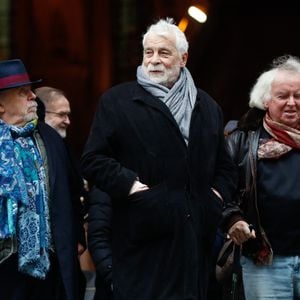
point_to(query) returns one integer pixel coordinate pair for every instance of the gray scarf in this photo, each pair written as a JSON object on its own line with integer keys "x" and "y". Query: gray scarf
{"x": 180, "y": 99}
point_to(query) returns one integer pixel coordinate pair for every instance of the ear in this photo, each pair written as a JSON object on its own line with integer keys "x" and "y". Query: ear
{"x": 2, "y": 109}
{"x": 184, "y": 58}
{"x": 266, "y": 105}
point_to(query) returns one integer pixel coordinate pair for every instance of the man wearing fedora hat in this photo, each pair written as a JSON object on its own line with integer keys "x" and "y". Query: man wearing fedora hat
{"x": 38, "y": 238}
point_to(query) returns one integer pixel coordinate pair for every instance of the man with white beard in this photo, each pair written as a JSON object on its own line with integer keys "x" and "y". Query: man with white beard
{"x": 156, "y": 146}
{"x": 54, "y": 108}
{"x": 57, "y": 108}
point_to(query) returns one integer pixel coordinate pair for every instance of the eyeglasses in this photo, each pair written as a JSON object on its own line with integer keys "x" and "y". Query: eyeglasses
{"x": 61, "y": 115}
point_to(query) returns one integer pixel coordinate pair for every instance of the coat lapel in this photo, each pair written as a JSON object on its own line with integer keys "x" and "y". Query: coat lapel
{"x": 50, "y": 162}
{"x": 141, "y": 95}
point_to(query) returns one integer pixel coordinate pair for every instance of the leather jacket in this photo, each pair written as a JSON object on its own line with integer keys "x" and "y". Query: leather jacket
{"x": 242, "y": 144}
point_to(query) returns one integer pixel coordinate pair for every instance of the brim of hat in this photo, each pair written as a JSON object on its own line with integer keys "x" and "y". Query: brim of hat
{"x": 21, "y": 84}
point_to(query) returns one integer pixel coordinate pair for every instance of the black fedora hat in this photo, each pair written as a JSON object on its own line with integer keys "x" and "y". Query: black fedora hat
{"x": 13, "y": 74}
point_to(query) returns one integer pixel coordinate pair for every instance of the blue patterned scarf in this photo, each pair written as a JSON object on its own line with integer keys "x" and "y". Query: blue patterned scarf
{"x": 23, "y": 198}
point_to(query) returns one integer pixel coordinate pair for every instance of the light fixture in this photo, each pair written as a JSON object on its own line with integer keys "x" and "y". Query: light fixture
{"x": 183, "y": 24}
{"x": 197, "y": 14}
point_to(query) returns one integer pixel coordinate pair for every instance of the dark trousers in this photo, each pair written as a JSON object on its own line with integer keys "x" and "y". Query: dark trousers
{"x": 17, "y": 286}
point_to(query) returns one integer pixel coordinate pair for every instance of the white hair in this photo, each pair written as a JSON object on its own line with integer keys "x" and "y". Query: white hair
{"x": 166, "y": 27}
{"x": 261, "y": 91}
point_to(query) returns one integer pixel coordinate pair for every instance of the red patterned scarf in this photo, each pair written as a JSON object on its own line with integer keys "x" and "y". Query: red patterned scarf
{"x": 284, "y": 139}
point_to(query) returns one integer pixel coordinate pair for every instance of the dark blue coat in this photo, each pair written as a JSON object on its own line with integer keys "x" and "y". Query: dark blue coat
{"x": 162, "y": 237}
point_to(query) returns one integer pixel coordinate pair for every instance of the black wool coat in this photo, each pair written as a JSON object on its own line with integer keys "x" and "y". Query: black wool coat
{"x": 64, "y": 209}
{"x": 162, "y": 237}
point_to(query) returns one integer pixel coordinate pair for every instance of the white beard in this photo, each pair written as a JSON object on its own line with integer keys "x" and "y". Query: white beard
{"x": 167, "y": 78}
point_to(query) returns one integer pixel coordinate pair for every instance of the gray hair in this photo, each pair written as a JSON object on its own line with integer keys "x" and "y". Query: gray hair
{"x": 165, "y": 27}
{"x": 47, "y": 94}
{"x": 261, "y": 91}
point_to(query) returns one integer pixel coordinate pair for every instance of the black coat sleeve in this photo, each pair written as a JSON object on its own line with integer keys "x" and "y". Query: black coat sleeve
{"x": 232, "y": 212}
{"x": 99, "y": 232}
{"x": 99, "y": 164}
{"x": 225, "y": 174}
{"x": 78, "y": 192}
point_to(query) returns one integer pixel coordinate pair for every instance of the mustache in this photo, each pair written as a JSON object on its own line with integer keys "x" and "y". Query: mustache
{"x": 155, "y": 68}
{"x": 33, "y": 104}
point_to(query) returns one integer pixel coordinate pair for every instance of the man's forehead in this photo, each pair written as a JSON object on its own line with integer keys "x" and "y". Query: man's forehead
{"x": 17, "y": 89}
{"x": 154, "y": 38}
{"x": 13, "y": 92}
{"x": 60, "y": 103}
{"x": 286, "y": 77}
{"x": 60, "y": 100}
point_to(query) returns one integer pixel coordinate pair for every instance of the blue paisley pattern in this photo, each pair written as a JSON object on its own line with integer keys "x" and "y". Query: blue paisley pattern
{"x": 24, "y": 206}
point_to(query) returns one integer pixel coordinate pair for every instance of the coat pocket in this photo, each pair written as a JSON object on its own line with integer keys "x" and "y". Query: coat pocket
{"x": 150, "y": 214}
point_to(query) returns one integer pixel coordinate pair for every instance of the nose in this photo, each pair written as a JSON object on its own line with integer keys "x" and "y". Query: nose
{"x": 31, "y": 95}
{"x": 155, "y": 59}
{"x": 291, "y": 100}
{"x": 67, "y": 120}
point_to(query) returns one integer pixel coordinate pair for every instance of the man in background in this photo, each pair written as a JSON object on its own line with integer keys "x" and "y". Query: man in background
{"x": 57, "y": 108}
{"x": 54, "y": 108}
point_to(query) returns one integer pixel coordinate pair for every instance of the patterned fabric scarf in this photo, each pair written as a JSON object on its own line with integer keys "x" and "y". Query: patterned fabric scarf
{"x": 23, "y": 198}
{"x": 284, "y": 139}
{"x": 180, "y": 99}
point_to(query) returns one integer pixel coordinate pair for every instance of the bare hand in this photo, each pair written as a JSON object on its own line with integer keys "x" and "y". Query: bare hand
{"x": 240, "y": 232}
{"x": 80, "y": 249}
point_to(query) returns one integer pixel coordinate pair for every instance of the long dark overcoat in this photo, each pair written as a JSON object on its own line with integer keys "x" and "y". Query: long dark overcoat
{"x": 161, "y": 237}
{"x": 65, "y": 215}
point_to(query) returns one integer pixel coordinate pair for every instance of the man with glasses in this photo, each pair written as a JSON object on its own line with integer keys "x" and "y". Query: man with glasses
{"x": 54, "y": 109}
{"x": 57, "y": 108}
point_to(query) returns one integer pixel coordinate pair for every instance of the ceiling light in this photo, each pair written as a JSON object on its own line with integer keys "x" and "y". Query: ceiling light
{"x": 197, "y": 14}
